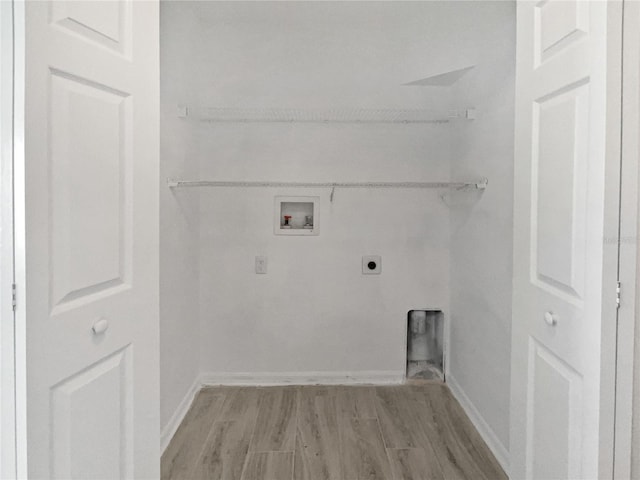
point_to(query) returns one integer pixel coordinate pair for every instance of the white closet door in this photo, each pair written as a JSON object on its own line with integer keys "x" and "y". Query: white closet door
{"x": 7, "y": 362}
{"x": 567, "y": 107}
{"x": 91, "y": 207}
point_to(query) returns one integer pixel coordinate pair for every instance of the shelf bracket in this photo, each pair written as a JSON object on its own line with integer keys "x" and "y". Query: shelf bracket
{"x": 482, "y": 184}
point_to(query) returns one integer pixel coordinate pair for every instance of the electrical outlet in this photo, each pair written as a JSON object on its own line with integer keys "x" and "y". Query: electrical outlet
{"x": 183, "y": 111}
{"x": 261, "y": 264}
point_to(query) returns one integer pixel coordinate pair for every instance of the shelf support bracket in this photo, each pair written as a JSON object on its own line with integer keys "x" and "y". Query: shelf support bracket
{"x": 482, "y": 184}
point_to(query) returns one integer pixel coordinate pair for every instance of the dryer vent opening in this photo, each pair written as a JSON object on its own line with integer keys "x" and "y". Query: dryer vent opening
{"x": 425, "y": 339}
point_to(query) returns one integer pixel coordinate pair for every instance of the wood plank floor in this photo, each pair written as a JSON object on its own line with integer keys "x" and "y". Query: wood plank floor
{"x": 405, "y": 432}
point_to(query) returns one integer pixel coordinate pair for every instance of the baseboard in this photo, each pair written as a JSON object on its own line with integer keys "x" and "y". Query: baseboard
{"x": 169, "y": 430}
{"x": 486, "y": 432}
{"x": 303, "y": 378}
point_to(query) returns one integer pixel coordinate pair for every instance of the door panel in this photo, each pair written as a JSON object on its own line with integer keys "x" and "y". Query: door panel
{"x": 567, "y": 102}
{"x": 558, "y": 24}
{"x": 91, "y": 145}
{"x": 559, "y": 196}
{"x": 89, "y": 199}
{"x": 105, "y": 23}
{"x": 74, "y": 420}
{"x": 553, "y": 416}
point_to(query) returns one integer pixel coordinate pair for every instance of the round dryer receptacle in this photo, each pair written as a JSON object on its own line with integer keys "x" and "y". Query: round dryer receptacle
{"x": 371, "y": 264}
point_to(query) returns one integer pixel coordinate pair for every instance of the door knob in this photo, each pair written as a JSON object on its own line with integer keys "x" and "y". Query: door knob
{"x": 100, "y": 326}
{"x": 550, "y": 319}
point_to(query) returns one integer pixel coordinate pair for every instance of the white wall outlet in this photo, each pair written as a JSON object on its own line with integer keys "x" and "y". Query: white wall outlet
{"x": 371, "y": 265}
{"x": 182, "y": 111}
{"x": 261, "y": 264}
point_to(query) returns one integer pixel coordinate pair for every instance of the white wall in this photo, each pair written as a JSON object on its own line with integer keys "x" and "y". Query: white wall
{"x": 315, "y": 311}
{"x": 179, "y": 219}
{"x": 482, "y": 224}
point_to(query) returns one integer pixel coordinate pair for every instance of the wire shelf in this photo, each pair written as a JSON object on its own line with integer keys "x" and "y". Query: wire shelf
{"x": 335, "y": 115}
{"x": 481, "y": 184}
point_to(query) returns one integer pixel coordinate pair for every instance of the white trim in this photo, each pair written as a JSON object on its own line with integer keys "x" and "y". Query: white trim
{"x": 7, "y": 368}
{"x": 629, "y": 267}
{"x": 612, "y": 328}
{"x": 19, "y": 192}
{"x": 169, "y": 430}
{"x": 486, "y": 432}
{"x": 303, "y": 378}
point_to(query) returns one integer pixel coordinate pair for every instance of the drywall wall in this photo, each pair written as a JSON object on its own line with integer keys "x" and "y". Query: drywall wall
{"x": 314, "y": 313}
{"x": 482, "y": 223}
{"x": 179, "y": 220}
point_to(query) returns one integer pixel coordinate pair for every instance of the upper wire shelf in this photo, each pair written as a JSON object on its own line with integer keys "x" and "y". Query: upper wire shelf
{"x": 480, "y": 185}
{"x": 333, "y": 115}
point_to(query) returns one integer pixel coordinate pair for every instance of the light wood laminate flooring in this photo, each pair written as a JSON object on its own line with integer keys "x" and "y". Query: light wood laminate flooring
{"x": 405, "y": 432}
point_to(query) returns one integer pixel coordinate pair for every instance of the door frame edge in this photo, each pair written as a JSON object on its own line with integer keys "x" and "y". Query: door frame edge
{"x": 19, "y": 206}
{"x": 627, "y": 361}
